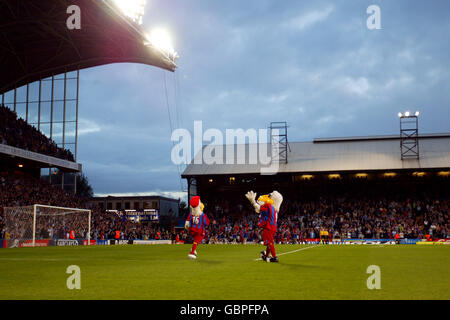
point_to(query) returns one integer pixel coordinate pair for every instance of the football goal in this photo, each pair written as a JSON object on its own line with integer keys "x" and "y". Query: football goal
{"x": 42, "y": 225}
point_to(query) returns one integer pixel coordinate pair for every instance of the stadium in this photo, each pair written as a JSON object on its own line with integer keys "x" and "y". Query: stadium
{"x": 351, "y": 205}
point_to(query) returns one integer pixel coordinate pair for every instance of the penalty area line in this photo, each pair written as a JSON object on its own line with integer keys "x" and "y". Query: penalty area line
{"x": 293, "y": 251}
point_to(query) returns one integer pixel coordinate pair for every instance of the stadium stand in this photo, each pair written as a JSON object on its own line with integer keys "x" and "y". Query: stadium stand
{"x": 235, "y": 221}
{"x": 18, "y": 189}
{"x": 26, "y": 61}
{"x": 16, "y": 132}
{"x": 343, "y": 217}
{"x": 25, "y": 187}
{"x": 354, "y": 187}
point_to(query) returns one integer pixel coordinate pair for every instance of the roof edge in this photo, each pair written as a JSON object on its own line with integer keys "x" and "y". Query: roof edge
{"x": 379, "y": 137}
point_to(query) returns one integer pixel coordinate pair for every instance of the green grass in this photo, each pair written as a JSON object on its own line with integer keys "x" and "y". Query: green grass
{"x": 225, "y": 272}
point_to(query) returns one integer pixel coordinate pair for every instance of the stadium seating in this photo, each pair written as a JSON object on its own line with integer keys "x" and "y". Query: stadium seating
{"x": 345, "y": 217}
{"x": 16, "y": 132}
{"x": 235, "y": 221}
{"x": 22, "y": 189}
{"x": 18, "y": 189}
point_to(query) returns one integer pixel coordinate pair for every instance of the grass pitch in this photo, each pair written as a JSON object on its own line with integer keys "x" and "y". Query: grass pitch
{"x": 226, "y": 272}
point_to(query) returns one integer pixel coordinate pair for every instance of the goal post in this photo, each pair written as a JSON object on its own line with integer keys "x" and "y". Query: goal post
{"x": 44, "y": 225}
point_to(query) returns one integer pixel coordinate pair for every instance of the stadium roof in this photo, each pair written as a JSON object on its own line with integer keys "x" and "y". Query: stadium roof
{"x": 37, "y": 159}
{"x": 376, "y": 153}
{"x": 35, "y": 42}
{"x": 120, "y": 198}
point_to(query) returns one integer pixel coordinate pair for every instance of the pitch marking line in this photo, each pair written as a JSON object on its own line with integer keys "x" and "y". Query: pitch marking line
{"x": 30, "y": 259}
{"x": 61, "y": 259}
{"x": 280, "y": 254}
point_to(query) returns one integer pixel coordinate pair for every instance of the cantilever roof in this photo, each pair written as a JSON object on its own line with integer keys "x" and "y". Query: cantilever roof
{"x": 38, "y": 159}
{"x": 342, "y": 154}
{"x": 35, "y": 42}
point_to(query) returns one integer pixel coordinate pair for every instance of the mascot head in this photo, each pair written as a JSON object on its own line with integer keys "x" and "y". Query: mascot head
{"x": 264, "y": 199}
{"x": 196, "y": 206}
{"x": 277, "y": 200}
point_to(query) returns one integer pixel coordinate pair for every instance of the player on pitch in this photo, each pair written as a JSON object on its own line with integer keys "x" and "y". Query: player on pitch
{"x": 196, "y": 224}
{"x": 267, "y": 206}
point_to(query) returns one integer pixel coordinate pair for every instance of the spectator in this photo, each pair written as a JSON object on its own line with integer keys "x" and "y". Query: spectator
{"x": 16, "y": 132}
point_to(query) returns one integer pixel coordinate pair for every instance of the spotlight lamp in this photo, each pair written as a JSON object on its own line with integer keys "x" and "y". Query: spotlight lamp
{"x": 133, "y": 9}
{"x": 161, "y": 39}
{"x": 408, "y": 114}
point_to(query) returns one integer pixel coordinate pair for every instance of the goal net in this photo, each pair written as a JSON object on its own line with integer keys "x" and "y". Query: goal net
{"x": 40, "y": 225}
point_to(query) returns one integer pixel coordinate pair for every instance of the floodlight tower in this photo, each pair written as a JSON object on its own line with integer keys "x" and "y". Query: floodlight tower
{"x": 409, "y": 135}
{"x": 279, "y": 141}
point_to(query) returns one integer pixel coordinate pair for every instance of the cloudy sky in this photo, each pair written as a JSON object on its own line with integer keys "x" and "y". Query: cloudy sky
{"x": 245, "y": 63}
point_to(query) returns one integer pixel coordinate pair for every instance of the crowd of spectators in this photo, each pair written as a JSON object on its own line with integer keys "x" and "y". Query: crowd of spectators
{"x": 20, "y": 190}
{"x": 343, "y": 217}
{"x": 231, "y": 221}
{"x": 16, "y": 132}
{"x": 106, "y": 224}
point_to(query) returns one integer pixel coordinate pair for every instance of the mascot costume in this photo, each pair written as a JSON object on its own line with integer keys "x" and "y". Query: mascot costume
{"x": 196, "y": 224}
{"x": 267, "y": 206}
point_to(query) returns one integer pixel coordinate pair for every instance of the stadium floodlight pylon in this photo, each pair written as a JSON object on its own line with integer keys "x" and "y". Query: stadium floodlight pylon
{"x": 279, "y": 141}
{"x": 409, "y": 135}
{"x": 28, "y": 225}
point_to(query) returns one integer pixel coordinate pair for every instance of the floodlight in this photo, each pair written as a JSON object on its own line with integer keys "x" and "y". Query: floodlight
{"x": 160, "y": 38}
{"x": 400, "y": 114}
{"x": 409, "y": 135}
{"x": 133, "y": 9}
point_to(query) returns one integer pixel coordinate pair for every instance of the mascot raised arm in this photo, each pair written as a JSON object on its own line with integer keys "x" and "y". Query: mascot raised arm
{"x": 268, "y": 207}
{"x": 196, "y": 224}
